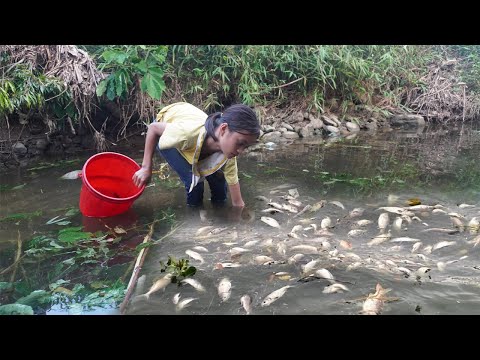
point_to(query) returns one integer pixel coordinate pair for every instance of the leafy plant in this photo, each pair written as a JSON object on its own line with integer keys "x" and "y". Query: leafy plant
{"x": 131, "y": 65}
{"x": 178, "y": 268}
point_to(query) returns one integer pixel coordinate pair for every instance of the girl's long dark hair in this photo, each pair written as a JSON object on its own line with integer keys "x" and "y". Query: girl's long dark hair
{"x": 239, "y": 118}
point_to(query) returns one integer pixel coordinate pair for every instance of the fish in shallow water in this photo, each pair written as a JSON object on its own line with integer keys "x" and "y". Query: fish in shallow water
{"x": 159, "y": 285}
{"x": 373, "y": 305}
{"x": 246, "y": 302}
{"x": 224, "y": 289}
{"x": 275, "y": 295}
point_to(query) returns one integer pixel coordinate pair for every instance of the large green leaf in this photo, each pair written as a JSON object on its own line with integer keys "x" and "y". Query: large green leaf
{"x": 35, "y": 297}
{"x": 16, "y": 309}
{"x": 115, "y": 56}
{"x": 101, "y": 88}
{"x": 153, "y": 83}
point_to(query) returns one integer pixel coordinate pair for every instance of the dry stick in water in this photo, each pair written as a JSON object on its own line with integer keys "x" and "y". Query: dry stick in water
{"x": 17, "y": 257}
{"x": 136, "y": 269}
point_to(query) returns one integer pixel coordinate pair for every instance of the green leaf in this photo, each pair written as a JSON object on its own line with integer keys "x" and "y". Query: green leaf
{"x": 73, "y": 236}
{"x": 5, "y": 286}
{"x": 153, "y": 83}
{"x": 16, "y": 309}
{"x": 142, "y": 66}
{"x": 111, "y": 89}
{"x": 119, "y": 80}
{"x": 115, "y": 56}
{"x": 190, "y": 271}
{"x": 101, "y": 88}
{"x": 35, "y": 297}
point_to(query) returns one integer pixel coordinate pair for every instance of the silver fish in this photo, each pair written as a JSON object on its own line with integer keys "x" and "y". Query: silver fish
{"x": 224, "y": 289}
{"x": 159, "y": 284}
{"x": 269, "y": 221}
{"x": 275, "y": 295}
{"x": 184, "y": 303}
{"x": 246, "y": 302}
{"x": 195, "y": 255}
{"x": 196, "y": 285}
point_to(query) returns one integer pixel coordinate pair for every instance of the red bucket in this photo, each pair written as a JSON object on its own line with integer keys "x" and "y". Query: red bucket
{"x": 108, "y": 188}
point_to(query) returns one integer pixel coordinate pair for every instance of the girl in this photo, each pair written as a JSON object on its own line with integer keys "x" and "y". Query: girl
{"x": 197, "y": 146}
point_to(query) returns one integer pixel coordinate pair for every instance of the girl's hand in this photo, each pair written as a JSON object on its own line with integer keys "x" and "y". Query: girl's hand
{"x": 142, "y": 177}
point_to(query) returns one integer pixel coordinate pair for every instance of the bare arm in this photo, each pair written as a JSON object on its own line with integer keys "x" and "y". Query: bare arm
{"x": 142, "y": 176}
{"x": 236, "y": 195}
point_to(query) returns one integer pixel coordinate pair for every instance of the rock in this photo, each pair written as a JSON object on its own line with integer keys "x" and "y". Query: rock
{"x": 317, "y": 123}
{"x": 332, "y": 129}
{"x": 287, "y": 126}
{"x": 290, "y": 135}
{"x": 19, "y": 149}
{"x": 272, "y": 136}
{"x": 41, "y": 144}
{"x": 407, "y": 120}
{"x": 306, "y": 131}
{"x": 352, "y": 127}
{"x": 329, "y": 121}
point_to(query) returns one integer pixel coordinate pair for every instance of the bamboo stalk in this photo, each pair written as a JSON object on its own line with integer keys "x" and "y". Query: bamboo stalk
{"x": 136, "y": 270}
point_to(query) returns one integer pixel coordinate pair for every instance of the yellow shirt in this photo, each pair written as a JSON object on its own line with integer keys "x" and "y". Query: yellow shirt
{"x": 186, "y": 132}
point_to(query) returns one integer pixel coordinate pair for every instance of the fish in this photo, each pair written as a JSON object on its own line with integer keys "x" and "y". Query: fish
{"x": 356, "y": 232}
{"x": 404, "y": 239}
{"x": 317, "y": 206}
{"x": 246, "y": 302}
{"x": 269, "y": 221}
{"x": 373, "y": 305}
{"x": 326, "y": 223}
{"x": 203, "y": 215}
{"x": 324, "y": 274}
{"x": 333, "y": 288}
{"x": 356, "y": 212}
{"x": 383, "y": 221}
{"x": 442, "y": 244}
{"x": 463, "y": 206}
{"x": 226, "y": 265}
{"x": 160, "y": 284}
{"x": 307, "y": 249}
{"x": 307, "y": 268}
{"x": 294, "y": 258}
{"x": 416, "y": 246}
{"x": 224, "y": 289}
{"x": 200, "y": 248}
{"x": 262, "y": 198}
{"x": 397, "y": 224}
{"x": 305, "y": 209}
{"x": 275, "y": 295}
{"x": 363, "y": 222}
{"x": 380, "y": 238}
{"x": 195, "y": 255}
{"x": 262, "y": 259}
{"x": 184, "y": 303}
{"x": 72, "y": 175}
{"x": 176, "y": 298}
{"x": 196, "y": 285}
{"x": 474, "y": 225}
{"x": 295, "y": 203}
{"x": 337, "y": 203}
{"x": 203, "y": 229}
{"x": 290, "y": 208}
